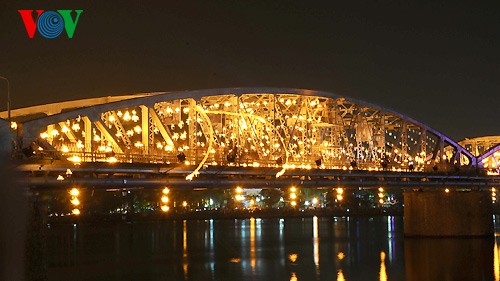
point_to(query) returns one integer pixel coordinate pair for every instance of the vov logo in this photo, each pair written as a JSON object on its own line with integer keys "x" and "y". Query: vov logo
{"x": 50, "y": 24}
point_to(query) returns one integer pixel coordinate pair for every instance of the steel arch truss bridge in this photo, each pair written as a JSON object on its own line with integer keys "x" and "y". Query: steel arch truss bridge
{"x": 258, "y": 127}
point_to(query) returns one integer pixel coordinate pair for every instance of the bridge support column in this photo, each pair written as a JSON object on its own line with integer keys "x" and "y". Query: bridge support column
{"x": 454, "y": 213}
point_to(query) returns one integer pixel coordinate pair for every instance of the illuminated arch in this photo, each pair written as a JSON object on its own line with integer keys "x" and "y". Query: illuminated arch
{"x": 311, "y": 127}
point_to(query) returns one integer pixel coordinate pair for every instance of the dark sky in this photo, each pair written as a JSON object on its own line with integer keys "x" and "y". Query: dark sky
{"x": 437, "y": 62}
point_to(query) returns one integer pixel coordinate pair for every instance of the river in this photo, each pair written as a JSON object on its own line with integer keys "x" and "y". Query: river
{"x": 324, "y": 248}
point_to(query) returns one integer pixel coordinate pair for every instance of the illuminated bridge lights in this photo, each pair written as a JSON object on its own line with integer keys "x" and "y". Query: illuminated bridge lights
{"x": 164, "y": 200}
{"x": 381, "y": 195}
{"x": 339, "y": 194}
{"x": 293, "y": 196}
{"x": 493, "y": 194}
{"x": 75, "y": 202}
{"x": 239, "y": 197}
{"x": 282, "y": 128}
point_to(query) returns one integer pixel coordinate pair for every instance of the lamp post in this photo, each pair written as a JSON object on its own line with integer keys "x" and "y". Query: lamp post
{"x": 8, "y": 98}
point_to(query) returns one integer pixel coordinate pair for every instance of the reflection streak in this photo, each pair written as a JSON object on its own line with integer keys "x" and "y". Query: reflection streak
{"x": 340, "y": 275}
{"x": 282, "y": 242}
{"x": 383, "y": 272}
{"x": 184, "y": 250}
{"x": 390, "y": 237}
{"x": 316, "y": 243}
{"x": 496, "y": 265}
{"x": 252, "y": 244}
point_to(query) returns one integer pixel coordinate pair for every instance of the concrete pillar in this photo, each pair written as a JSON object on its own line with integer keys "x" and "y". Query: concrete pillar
{"x": 454, "y": 213}
{"x": 442, "y": 259}
{"x": 6, "y": 137}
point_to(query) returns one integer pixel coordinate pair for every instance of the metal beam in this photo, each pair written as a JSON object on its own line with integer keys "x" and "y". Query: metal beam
{"x": 108, "y": 137}
{"x": 165, "y": 132}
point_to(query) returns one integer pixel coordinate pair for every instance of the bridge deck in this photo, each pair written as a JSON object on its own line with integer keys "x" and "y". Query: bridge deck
{"x": 130, "y": 175}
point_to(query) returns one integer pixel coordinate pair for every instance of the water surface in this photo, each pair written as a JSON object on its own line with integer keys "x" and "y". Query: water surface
{"x": 314, "y": 248}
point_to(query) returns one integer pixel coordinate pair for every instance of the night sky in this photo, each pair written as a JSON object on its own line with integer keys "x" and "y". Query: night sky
{"x": 436, "y": 62}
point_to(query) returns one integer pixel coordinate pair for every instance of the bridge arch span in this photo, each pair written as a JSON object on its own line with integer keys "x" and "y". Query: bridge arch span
{"x": 243, "y": 126}
{"x": 490, "y": 158}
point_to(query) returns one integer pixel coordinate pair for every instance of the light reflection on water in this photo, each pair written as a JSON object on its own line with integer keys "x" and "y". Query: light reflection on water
{"x": 496, "y": 265}
{"x": 383, "y": 273}
{"x": 316, "y": 243}
{"x": 264, "y": 249}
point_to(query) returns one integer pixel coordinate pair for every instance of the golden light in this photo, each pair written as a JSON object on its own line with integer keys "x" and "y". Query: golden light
{"x": 239, "y": 189}
{"x": 13, "y": 125}
{"x": 339, "y": 197}
{"x": 340, "y": 190}
{"x": 75, "y": 212}
{"x": 54, "y": 133}
{"x": 239, "y": 197}
{"x": 381, "y": 201}
{"x": 315, "y": 201}
{"x": 60, "y": 178}
{"x": 75, "y": 159}
{"x": 293, "y": 196}
{"x": 165, "y": 190}
{"x": 293, "y": 189}
{"x": 75, "y": 127}
{"x": 341, "y": 256}
{"x": 64, "y": 149}
{"x": 164, "y": 199}
{"x": 126, "y": 116}
{"x": 112, "y": 159}
{"x": 64, "y": 129}
{"x": 75, "y": 201}
{"x": 74, "y": 192}
{"x": 97, "y": 138}
{"x": 111, "y": 118}
{"x": 44, "y": 135}
{"x": 165, "y": 208}
{"x": 446, "y": 190}
{"x": 80, "y": 145}
{"x": 380, "y": 189}
{"x": 381, "y": 195}
{"x": 184, "y": 204}
{"x": 138, "y": 129}
{"x": 293, "y": 257}
{"x": 293, "y": 203}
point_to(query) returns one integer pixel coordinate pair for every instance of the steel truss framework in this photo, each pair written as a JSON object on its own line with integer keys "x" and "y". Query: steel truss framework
{"x": 487, "y": 151}
{"x": 265, "y": 127}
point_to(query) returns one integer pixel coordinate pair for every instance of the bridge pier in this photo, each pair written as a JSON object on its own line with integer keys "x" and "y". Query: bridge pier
{"x": 447, "y": 214}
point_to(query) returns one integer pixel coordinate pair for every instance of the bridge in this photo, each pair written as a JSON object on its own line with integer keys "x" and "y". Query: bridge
{"x": 283, "y": 130}
{"x": 255, "y": 137}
